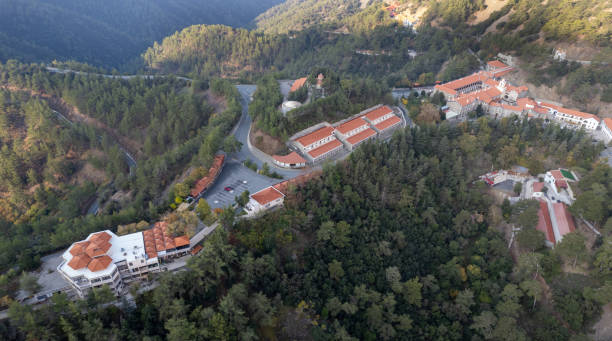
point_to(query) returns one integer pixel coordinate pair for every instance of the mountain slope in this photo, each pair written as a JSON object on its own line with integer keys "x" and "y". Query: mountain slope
{"x": 296, "y": 15}
{"x": 107, "y": 33}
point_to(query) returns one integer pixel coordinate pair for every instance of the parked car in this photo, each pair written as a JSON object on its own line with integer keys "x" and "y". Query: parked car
{"x": 228, "y": 188}
{"x": 42, "y": 298}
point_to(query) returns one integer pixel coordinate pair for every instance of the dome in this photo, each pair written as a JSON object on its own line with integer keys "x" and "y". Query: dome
{"x": 290, "y": 105}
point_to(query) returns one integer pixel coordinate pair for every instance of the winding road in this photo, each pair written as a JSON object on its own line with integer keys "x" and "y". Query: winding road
{"x": 131, "y": 162}
{"x": 235, "y": 174}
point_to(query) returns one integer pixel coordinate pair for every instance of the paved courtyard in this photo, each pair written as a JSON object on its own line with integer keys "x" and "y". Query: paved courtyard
{"x": 235, "y": 175}
{"x": 49, "y": 279}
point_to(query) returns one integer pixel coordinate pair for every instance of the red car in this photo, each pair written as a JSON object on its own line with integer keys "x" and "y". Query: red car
{"x": 228, "y": 188}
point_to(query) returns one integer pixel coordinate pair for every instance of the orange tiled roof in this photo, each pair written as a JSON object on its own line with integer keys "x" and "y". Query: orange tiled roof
{"x": 298, "y": 84}
{"x": 333, "y": 144}
{"x": 545, "y": 223}
{"x": 511, "y": 107}
{"x": 608, "y": 122}
{"x": 292, "y": 157}
{"x": 181, "y": 241}
{"x": 565, "y": 222}
{"x": 497, "y": 64}
{"x": 315, "y": 136}
{"x": 79, "y": 248}
{"x": 97, "y": 249}
{"x": 267, "y": 195}
{"x": 297, "y": 181}
{"x": 538, "y": 186}
{"x": 502, "y": 73}
{"x": 525, "y": 101}
{"x": 461, "y": 82}
{"x": 158, "y": 239}
{"x": 213, "y": 172}
{"x": 446, "y": 89}
{"x": 388, "y": 123}
{"x": 557, "y": 174}
{"x": 351, "y": 125}
{"x": 363, "y": 135}
{"x": 570, "y": 111}
{"x": 378, "y": 112}
{"x": 100, "y": 237}
{"x": 196, "y": 249}
{"x": 79, "y": 261}
{"x": 99, "y": 263}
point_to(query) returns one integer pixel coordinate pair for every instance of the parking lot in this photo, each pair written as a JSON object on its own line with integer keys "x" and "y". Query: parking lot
{"x": 240, "y": 179}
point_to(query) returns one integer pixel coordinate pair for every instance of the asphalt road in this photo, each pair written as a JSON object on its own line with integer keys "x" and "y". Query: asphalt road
{"x": 235, "y": 174}
{"x": 242, "y": 132}
{"x": 240, "y": 179}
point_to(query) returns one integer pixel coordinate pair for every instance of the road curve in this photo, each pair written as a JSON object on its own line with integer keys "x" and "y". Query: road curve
{"x": 242, "y": 135}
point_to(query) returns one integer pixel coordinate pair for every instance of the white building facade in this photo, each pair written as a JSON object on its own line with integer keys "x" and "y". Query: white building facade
{"x": 106, "y": 259}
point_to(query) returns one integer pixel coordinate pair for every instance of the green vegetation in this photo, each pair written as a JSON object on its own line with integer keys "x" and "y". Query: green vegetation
{"x": 250, "y": 164}
{"x": 107, "y": 33}
{"x": 46, "y": 190}
{"x": 219, "y": 50}
{"x": 297, "y": 15}
{"x": 344, "y": 259}
{"x": 343, "y": 97}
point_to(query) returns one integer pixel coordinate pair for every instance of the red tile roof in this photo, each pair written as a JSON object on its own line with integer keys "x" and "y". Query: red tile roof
{"x": 497, "y": 64}
{"x": 290, "y": 158}
{"x": 565, "y": 222}
{"x": 378, "y": 112}
{"x": 181, "y": 241}
{"x": 267, "y": 195}
{"x": 388, "y": 123}
{"x": 206, "y": 181}
{"x": 99, "y": 263}
{"x": 351, "y": 125}
{"x": 538, "y": 186}
{"x": 446, "y": 89}
{"x": 502, "y": 73}
{"x": 570, "y": 111}
{"x": 196, "y": 249}
{"x": 79, "y": 248}
{"x": 325, "y": 148}
{"x": 100, "y": 237}
{"x": 298, "y": 84}
{"x": 608, "y": 122}
{"x": 79, "y": 261}
{"x": 315, "y": 136}
{"x": 297, "y": 181}
{"x": 557, "y": 174}
{"x": 512, "y": 107}
{"x": 158, "y": 239}
{"x": 363, "y": 135}
{"x": 97, "y": 249}
{"x": 545, "y": 223}
{"x": 485, "y": 96}
{"x": 471, "y": 79}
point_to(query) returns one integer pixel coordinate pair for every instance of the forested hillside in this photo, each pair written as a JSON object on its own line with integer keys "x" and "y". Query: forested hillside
{"x": 296, "y": 15}
{"x": 205, "y": 51}
{"x": 396, "y": 243}
{"x": 165, "y": 124}
{"x": 107, "y": 33}
{"x": 49, "y": 170}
